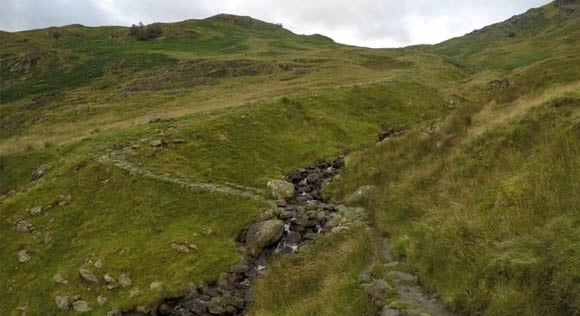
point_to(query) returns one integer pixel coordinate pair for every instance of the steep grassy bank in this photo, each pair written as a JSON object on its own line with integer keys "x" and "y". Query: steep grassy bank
{"x": 490, "y": 222}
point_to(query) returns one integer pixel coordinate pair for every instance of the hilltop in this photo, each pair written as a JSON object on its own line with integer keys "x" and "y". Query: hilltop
{"x": 129, "y": 168}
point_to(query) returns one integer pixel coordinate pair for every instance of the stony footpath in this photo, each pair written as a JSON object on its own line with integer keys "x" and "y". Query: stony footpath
{"x": 398, "y": 293}
{"x": 118, "y": 158}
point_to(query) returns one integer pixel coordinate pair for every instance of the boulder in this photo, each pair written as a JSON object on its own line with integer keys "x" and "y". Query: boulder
{"x": 179, "y": 248}
{"x": 62, "y": 302}
{"x": 37, "y": 210}
{"x": 378, "y": 289}
{"x": 81, "y": 306}
{"x": 216, "y": 306}
{"x": 58, "y": 278}
{"x": 102, "y": 300}
{"x": 114, "y": 312}
{"x": 387, "y": 311}
{"x": 24, "y": 226}
{"x": 124, "y": 280}
{"x": 157, "y": 143}
{"x": 108, "y": 278}
{"x": 265, "y": 233}
{"x": 281, "y": 189}
{"x": 87, "y": 275}
{"x": 23, "y": 256}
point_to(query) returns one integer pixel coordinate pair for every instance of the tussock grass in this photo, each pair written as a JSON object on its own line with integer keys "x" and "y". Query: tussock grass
{"x": 322, "y": 281}
{"x": 490, "y": 222}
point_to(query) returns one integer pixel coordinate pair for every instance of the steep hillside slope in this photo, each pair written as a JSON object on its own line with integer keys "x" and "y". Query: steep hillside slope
{"x": 485, "y": 203}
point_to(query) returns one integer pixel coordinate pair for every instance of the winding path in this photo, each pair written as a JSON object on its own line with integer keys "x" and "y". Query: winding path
{"x": 117, "y": 158}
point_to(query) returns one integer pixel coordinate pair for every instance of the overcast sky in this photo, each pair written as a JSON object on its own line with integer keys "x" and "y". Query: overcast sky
{"x": 373, "y": 23}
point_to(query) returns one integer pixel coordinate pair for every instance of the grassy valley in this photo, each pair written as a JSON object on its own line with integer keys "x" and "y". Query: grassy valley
{"x": 147, "y": 158}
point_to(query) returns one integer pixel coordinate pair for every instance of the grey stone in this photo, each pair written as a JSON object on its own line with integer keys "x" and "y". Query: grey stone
{"x": 24, "y": 226}
{"x": 114, "y": 312}
{"x": 387, "y": 311}
{"x": 87, "y": 275}
{"x": 58, "y": 278}
{"x": 199, "y": 306}
{"x": 157, "y": 143}
{"x": 239, "y": 268}
{"x": 37, "y": 210}
{"x": 23, "y": 256}
{"x": 265, "y": 233}
{"x": 124, "y": 280}
{"x": 402, "y": 276}
{"x": 378, "y": 289}
{"x": 178, "y": 141}
{"x": 62, "y": 302}
{"x": 338, "y": 229}
{"x": 108, "y": 278}
{"x": 180, "y": 248}
{"x": 281, "y": 189}
{"x": 101, "y": 300}
{"x": 81, "y": 306}
{"x": 216, "y": 306}
{"x": 310, "y": 236}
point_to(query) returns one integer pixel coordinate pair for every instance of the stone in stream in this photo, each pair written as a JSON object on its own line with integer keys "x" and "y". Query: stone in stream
{"x": 264, "y": 234}
{"x": 281, "y": 189}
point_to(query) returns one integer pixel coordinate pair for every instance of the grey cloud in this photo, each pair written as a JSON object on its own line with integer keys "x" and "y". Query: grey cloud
{"x": 365, "y": 22}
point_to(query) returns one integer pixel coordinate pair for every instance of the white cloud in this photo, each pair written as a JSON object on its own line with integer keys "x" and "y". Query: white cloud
{"x": 375, "y": 23}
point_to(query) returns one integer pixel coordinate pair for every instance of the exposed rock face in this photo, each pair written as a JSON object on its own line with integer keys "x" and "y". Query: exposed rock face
{"x": 281, "y": 189}
{"x": 265, "y": 233}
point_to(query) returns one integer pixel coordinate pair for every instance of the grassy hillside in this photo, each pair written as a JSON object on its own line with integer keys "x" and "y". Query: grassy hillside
{"x": 147, "y": 158}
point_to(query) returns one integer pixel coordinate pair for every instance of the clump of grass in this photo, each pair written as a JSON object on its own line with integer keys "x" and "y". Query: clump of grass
{"x": 320, "y": 280}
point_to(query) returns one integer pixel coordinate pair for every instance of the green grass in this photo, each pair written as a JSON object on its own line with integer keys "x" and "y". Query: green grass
{"x": 479, "y": 195}
{"x": 126, "y": 222}
{"x": 323, "y": 281}
{"x": 490, "y": 223}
